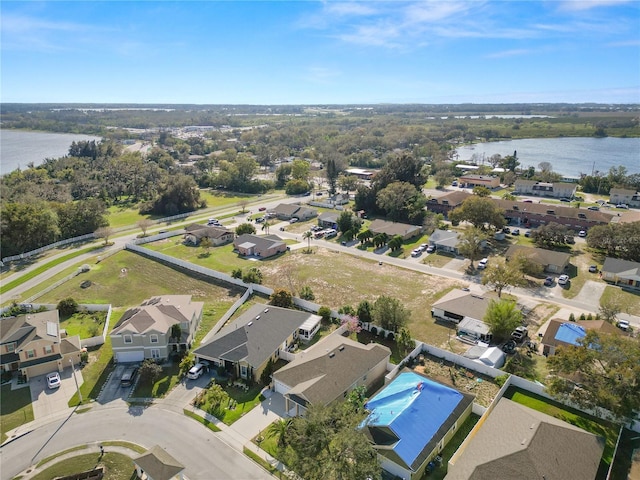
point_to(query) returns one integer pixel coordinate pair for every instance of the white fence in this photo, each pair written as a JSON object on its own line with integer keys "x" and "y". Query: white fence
{"x": 48, "y": 247}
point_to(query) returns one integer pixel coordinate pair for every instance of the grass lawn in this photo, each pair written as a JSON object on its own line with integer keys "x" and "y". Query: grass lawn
{"x": 438, "y": 259}
{"x": 15, "y": 409}
{"x": 170, "y": 378}
{"x": 440, "y": 472}
{"x": 198, "y": 418}
{"x": 244, "y": 402}
{"x": 117, "y": 466}
{"x": 365, "y": 338}
{"x": 629, "y": 301}
{"x": 591, "y": 424}
{"x": 85, "y": 324}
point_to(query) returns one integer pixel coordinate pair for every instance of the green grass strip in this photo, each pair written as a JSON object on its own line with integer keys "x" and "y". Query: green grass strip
{"x": 56, "y": 455}
{"x": 203, "y": 421}
{"x": 262, "y": 462}
{"x": 121, "y": 443}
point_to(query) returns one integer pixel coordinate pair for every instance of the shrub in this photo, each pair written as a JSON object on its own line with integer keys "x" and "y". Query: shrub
{"x": 236, "y": 273}
{"x": 583, "y": 316}
{"x": 281, "y": 298}
{"x": 589, "y": 317}
{"x": 572, "y": 317}
{"x": 84, "y": 357}
{"x": 374, "y": 330}
{"x": 501, "y": 379}
{"x": 325, "y": 313}
{"x": 252, "y": 276}
{"x": 390, "y": 336}
{"x": 67, "y": 307}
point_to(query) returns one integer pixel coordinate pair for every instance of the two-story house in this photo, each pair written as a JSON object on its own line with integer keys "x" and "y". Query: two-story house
{"x": 32, "y": 344}
{"x": 147, "y": 331}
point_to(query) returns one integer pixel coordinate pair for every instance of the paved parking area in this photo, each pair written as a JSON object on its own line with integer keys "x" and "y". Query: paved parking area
{"x": 111, "y": 390}
{"x": 49, "y": 402}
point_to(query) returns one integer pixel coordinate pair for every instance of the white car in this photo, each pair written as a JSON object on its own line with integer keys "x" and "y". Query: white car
{"x": 623, "y": 325}
{"x": 293, "y": 220}
{"x": 482, "y": 264}
{"x": 582, "y": 233}
{"x": 416, "y": 252}
{"x": 563, "y": 279}
{"x": 196, "y": 371}
{"x": 53, "y": 380}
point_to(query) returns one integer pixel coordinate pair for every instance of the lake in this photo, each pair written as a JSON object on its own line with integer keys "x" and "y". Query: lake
{"x": 18, "y": 148}
{"x": 570, "y": 156}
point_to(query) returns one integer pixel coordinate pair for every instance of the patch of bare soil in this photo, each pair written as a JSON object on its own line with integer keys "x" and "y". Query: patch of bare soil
{"x": 540, "y": 314}
{"x": 466, "y": 381}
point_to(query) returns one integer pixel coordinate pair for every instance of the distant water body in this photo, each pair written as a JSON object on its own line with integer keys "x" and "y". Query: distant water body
{"x": 18, "y": 148}
{"x": 569, "y": 156}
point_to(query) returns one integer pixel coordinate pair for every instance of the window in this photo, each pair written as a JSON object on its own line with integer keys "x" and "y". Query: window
{"x": 10, "y": 347}
{"x": 31, "y": 353}
{"x": 243, "y": 371}
{"x": 155, "y": 353}
{"x": 48, "y": 350}
{"x": 153, "y": 338}
{"x": 127, "y": 339}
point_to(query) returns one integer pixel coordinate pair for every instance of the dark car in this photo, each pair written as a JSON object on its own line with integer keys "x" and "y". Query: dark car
{"x": 548, "y": 281}
{"x": 593, "y": 268}
{"x": 129, "y": 376}
{"x": 515, "y": 231}
{"x": 509, "y": 347}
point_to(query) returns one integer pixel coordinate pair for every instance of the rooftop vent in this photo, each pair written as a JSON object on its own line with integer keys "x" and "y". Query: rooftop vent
{"x": 341, "y": 348}
{"x": 249, "y": 324}
{"x": 257, "y": 317}
{"x": 266, "y": 310}
{"x": 332, "y": 354}
{"x": 552, "y": 212}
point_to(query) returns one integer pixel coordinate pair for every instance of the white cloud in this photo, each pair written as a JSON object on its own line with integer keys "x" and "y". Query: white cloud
{"x": 581, "y": 5}
{"x": 509, "y": 53}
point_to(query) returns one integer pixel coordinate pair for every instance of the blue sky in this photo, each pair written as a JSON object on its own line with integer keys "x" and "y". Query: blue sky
{"x": 305, "y": 52}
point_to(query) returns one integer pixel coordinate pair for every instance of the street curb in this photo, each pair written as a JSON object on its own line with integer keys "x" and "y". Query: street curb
{"x": 15, "y": 437}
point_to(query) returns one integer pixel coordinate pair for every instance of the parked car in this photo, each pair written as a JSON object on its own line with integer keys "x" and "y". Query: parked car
{"x": 431, "y": 248}
{"x": 593, "y": 268}
{"x": 527, "y": 233}
{"x": 293, "y": 220}
{"x": 128, "y": 376}
{"x": 416, "y": 252}
{"x": 509, "y": 347}
{"x": 212, "y": 221}
{"x": 454, "y": 183}
{"x": 482, "y": 264}
{"x": 53, "y": 380}
{"x": 623, "y": 325}
{"x": 564, "y": 199}
{"x": 527, "y": 201}
{"x": 424, "y": 246}
{"x": 260, "y": 219}
{"x": 563, "y": 279}
{"x": 595, "y": 209}
{"x": 548, "y": 281}
{"x": 196, "y": 371}
{"x": 515, "y": 231}
{"x": 622, "y": 205}
{"x": 262, "y": 209}
{"x": 506, "y": 230}
{"x": 582, "y": 233}
{"x": 519, "y": 334}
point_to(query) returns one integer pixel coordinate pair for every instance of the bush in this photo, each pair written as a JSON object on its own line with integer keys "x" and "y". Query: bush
{"x": 252, "y": 276}
{"x": 390, "y": 336}
{"x": 583, "y": 316}
{"x": 236, "y": 273}
{"x": 589, "y": 317}
{"x": 501, "y": 379}
{"x": 325, "y": 313}
{"x": 281, "y": 298}
{"x": 67, "y": 307}
{"x": 572, "y": 317}
{"x": 373, "y": 331}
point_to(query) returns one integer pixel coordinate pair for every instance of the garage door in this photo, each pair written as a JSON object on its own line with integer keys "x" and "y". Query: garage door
{"x": 126, "y": 357}
{"x": 281, "y": 387}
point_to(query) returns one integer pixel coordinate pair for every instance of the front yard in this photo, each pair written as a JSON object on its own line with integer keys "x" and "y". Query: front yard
{"x": 169, "y": 378}
{"x": 15, "y": 409}
{"x": 227, "y": 402}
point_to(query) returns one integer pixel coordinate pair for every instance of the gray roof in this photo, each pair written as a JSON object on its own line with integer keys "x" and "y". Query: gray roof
{"x": 618, "y": 266}
{"x": 392, "y": 228}
{"x": 261, "y": 242}
{"x": 516, "y": 442}
{"x": 329, "y": 217}
{"x": 158, "y": 314}
{"x": 209, "y": 232}
{"x": 158, "y": 464}
{"x": 463, "y": 303}
{"x": 323, "y": 372}
{"x": 254, "y": 336}
{"x": 445, "y": 237}
{"x": 539, "y": 255}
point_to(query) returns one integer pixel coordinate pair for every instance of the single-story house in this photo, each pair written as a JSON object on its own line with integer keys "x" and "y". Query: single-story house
{"x": 361, "y": 173}
{"x": 473, "y": 330}
{"x": 545, "y": 189}
{"x": 328, "y": 220}
{"x": 562, "y": 333}
{"x": 33, "y": 344}
{"x": 262, "y": 246}
{"x": 338, "y": 199}
{"x": 217, "y": 235}
{"x": 537, "y": 214}
{"x": 445, "y": 203}
{"x": 411, "y": 420}
{"x": 445, "y": 241}
{"x": 485, "y": 355}
{"x": 621, "y": 272}
{"x": 551, "y": 261}
{"x": 245, "y": 346}
{"x": 472, "y": 180}
{"x": 517, "y": 442}
{"x": 458, "y": 304}
{"x": 392, "y": 229}
{"x": 329, "y": 370}
{"x": 157, "y": 464}
{"x": 624, "y": 195}
{"x": 287, "y": 211}
{"x": 146, "y": 331}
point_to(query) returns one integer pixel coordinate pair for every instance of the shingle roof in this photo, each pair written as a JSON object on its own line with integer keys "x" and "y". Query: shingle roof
{"x": 618, "y": 266}
{"x": 516, "y": 442}
{"x": 539, "y": 255}
{"x": 158, "y": 314}
{"x": 452, "y": 199}
{"x": 559, "y": 210}
{"x": 209, "y": 232}
{"x": 158, "y": 464}
{"x": 392, "y": 228}
{"x": 262, "y": 242}
{"x": 329, "y": 368}
{"x": 445, "y": 237}
{"x": 464, "y": 303}
{"x": 254, "y": 336}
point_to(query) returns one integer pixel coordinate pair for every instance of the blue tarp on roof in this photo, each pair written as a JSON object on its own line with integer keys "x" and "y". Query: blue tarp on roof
{"x": 414, "y": 408}
{"x": 570, "y": 333}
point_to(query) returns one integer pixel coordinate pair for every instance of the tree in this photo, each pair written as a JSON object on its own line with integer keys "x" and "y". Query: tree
{"x": 509, "y": 178}
{"x": 402, "y": 201}
{"x": 150, "y": 371}
{"x": 480, "y": 212}
{"x": 501, "y": 275}
{"x": 265, "y": 376}
{"x": 245, "y": 228}
{"x": 365, "y": 236}
{"x": 472, "y": 243}
{"x": 352, "y": 324}
{"x": 67, "y": 307}
{"x": 176, "y": 332}
{"x": 297, "y": 187}
{"x": 551, "y": 235}
{"x": 502, "y": 317}
{"x": 144, "y": 225}
{"x": 332, "y": 171}
{"x": 206, "y": 244}
{"x": 279, "y": 430}
{"x": 306, "y": 293}
{"x": 104, "y": 232}
{"x": 364, "y": 311}
{"x": 395, "y": 243}
{"x": 404, "y": 341}
{"x": 186, "y": 363}
{"x": 281, "y": 298}
{"x": 602, "y": 371}
{"x": 308, "y": 235}
{"x": 481, "y": 191}
{"x": 347, "y": 222}
{"x": 389, "y": 313}
{"x": 444, "y": 176}
{"x": 300, "y": 170}
{"x": 179, "y": 194}
{"x": 325, "y": 313}
{"x": 253, "y": 275}
{"x": 347, "y": 183}
{"x": 243, "y": 205}
{"x": 610, "y": 307}
{"x": 27, "y": 226}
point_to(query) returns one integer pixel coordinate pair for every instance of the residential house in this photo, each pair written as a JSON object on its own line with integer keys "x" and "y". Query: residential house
{"x": 445, "y": 203}
{"x": 485, "y": 355}
{"x": 562, "y": 333}
{"x": 361, "y": 173}
{"x": 517, "y": 442}
{"x": 411, "y": 420}
{"x": 537, "y": 214}
{"x": 545, "y": 189}
{"x": 328, "y": 220}
{"x": 550, "y": 260}
{"x": 217, "y": 235}
{"x": 392, "y": 229}
{"x": 621, "y": 272}
{"x": 458, "y": 304}
{"x": 33, "y": 344}
{"x": 328, "y": 371}
{"x": 624, "y": 195}
{"x": 472, "y": 330}
{"x": 245, "y": 346}
{"x": 471, "y": 180}
{"x": 145, "y": 331}
{"x": 287, "y": 211}
{"x": 445, "y": 241}
{"x": 263, "y": 246}
{"x": 338, "y": 199}
{"x": 157, "y": 464}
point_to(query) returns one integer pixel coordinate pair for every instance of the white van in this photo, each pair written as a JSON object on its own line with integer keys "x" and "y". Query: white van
{"x": 482, "y": 264}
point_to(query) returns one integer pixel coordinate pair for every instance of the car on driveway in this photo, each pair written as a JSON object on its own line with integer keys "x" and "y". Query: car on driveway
{"x": 431, "y": 248}
{"x": 196, "y": 371}
{"x": 582, "y": 233}
{"x": 527, "y": 233}
{"x": 293, "y": 220}
{"x": 563, "y": 279}
{"x": 128, "y": 376}
{"x": 595, "y": 209}
{"x": 53, "y": 380}
{"x": 623, "y": 325}
{"x": 416, "y": 252}
{"x": 515, "y": 231}
{"x": 593, "y": 268}
{"x": 482, "y": 264}
{"x": 548, "y": 281}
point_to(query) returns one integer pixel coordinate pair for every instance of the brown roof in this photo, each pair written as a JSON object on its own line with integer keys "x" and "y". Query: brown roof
{"x": 464, "y": 303}
{"x": 519, "y": 443}
{"x": 539, "y": 255}
{"x": 559, "y": 211}
{"x": 209, "y": 232}
{"x": 326, "y": 370}
{"x": 452, "y": 199}
{"x": 158, "y": 464}
{"x": 158, "y": 314}
{"x": 392, "y": 228}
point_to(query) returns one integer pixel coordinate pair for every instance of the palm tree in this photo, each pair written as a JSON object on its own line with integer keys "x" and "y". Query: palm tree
{"x": 279, "y": 429}
{"x": 265, "y": 226}
{"x": 307, "y": 235}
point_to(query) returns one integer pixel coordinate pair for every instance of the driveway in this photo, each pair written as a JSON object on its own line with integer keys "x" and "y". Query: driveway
{"x": 258, "y": 419}
{"x": 49, "y": 402}
{"x": 111, "y": 390}
{"x": 183, "y": 393}
{"x": 591, "y": 292}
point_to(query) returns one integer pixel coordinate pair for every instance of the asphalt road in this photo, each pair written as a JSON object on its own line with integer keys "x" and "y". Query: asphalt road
{"x": 203, "y": 452}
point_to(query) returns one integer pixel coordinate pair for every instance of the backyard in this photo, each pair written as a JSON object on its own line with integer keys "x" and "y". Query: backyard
{"x": 85, "y": 324}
